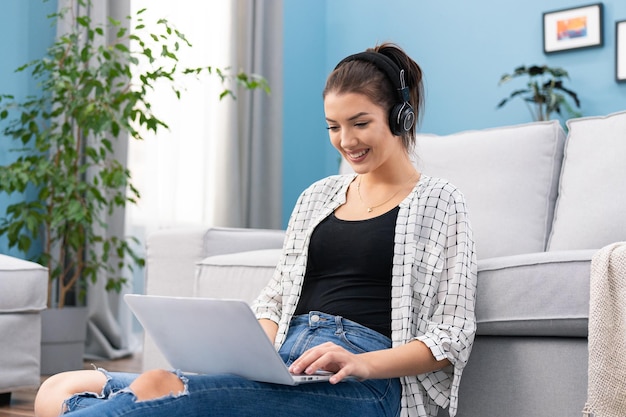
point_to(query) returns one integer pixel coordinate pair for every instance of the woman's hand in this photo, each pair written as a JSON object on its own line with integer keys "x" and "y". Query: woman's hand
{"x": 332, "y": 358}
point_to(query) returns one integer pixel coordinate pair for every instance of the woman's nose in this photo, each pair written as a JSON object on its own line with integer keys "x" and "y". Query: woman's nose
{"x": 347, "y": 138}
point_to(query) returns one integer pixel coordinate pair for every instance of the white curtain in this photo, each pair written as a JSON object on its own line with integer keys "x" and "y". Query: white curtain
{"x": 219, "y": 163}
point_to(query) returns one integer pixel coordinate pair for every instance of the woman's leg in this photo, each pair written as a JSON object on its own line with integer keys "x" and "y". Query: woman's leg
{"x": 159, "y": 393}
{"x": 155, "y": 384}
{"x": 77, "y": 389}
{"x": 58, "y": 388}
{"x": 228, "y": 395}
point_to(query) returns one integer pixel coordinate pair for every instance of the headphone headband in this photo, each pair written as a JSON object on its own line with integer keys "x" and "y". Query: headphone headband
{"x": 393, "y": 72}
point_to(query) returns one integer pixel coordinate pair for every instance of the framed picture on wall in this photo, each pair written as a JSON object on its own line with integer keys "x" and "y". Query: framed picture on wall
{"x": 574, "y": 28}
{"x": 620, "y": 51}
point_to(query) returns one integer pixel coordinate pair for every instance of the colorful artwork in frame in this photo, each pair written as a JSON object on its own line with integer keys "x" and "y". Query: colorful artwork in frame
{"x": 574, "y": 28}
{"x": 571, "y": 28}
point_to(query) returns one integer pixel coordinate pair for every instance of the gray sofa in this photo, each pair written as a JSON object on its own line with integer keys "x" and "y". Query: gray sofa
{"x": 541, "y": 202}
{"x": 23, "y": 294}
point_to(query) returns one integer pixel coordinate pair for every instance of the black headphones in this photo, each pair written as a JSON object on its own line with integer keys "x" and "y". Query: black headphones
{"x": 402, "y": 116}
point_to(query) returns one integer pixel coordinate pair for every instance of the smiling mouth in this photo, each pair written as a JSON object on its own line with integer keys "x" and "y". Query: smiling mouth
{"x": 358, "y": 155}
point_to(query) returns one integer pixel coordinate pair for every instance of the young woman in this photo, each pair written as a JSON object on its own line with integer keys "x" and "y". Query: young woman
{"x": 376, "y": 282}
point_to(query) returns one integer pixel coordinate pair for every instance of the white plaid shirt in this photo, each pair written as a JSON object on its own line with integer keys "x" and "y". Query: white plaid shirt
{"x": 433, "y": 281}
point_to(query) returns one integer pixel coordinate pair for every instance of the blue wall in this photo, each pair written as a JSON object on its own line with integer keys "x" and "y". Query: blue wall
{"x": 305, "y": 152}
{"x": 25, "y": 34}
{"x": 463, "y": 48}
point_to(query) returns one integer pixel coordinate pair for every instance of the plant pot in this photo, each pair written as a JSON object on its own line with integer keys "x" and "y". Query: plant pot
{"x": 63, "y": 333}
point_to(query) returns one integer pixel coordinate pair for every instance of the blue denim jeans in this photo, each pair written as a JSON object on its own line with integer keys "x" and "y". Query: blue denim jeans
{"x": 229, "y": 395}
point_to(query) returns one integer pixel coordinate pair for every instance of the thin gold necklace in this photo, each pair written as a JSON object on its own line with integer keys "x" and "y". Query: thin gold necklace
{"x": 371, "y": 208}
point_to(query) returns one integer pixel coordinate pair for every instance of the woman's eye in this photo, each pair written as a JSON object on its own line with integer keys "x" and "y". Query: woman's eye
{"x": 361, "y": 124}
{"x": 333, "y": 128}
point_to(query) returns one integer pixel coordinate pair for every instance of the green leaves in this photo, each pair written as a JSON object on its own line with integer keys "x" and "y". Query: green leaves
{"x": 241, "y": 79}
{"x": 92, "y": 92}
{"x": 544, "y": 91}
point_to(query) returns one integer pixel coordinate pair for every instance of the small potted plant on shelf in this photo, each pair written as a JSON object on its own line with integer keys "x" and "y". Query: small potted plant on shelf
{"x": 90, "y": 97}
{"x": 544, "y": 93}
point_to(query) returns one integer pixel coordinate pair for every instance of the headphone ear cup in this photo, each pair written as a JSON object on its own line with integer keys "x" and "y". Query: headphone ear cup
{"x": 401, "y": 119}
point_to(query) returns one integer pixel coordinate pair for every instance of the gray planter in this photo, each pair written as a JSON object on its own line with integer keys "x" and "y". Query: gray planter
{"x": 63, "y": 333}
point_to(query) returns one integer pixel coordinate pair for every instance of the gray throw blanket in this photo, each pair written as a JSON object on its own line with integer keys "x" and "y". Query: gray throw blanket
{"x": 606, "y": 392}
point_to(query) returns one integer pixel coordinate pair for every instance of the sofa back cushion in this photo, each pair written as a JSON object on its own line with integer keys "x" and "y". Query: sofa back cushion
{"x": 592, "y": 192}
{"x": 509, "y": 178}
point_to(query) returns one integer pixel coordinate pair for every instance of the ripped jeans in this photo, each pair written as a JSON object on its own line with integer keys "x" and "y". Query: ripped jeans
{"x": 229, "y": 395}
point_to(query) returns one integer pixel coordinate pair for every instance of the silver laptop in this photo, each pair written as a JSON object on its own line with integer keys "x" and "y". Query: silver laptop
{"x": 213, "y": 336}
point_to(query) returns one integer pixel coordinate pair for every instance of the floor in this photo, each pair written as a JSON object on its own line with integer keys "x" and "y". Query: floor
{"x": 22, "y": 401}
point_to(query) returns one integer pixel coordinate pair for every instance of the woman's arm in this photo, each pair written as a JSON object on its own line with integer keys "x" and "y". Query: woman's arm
{"x": 270, "y": 328}
{"x": 412, "y": 358}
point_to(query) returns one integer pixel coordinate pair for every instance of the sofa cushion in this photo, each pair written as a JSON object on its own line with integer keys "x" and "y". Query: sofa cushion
{"x": 509, "y": 178}
{"x": 239, "y": 275}
{"x": 23, "y": 285}
{"x": 539, "y": 294}
{"x": 592, "y": 192}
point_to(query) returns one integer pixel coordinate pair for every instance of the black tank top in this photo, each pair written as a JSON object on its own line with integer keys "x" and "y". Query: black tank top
{"x": 349, "y": 270}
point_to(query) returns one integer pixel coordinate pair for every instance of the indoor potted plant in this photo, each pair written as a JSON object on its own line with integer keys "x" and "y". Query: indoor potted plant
{"x": 544, "y": 93}
{"x": 89, "y": 97}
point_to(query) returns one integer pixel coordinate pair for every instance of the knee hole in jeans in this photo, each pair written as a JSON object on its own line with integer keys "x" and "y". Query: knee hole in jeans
{"x": 157, "y": 383}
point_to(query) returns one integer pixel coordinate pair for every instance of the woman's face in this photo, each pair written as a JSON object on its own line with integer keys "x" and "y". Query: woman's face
{"x": 359, "y": 130}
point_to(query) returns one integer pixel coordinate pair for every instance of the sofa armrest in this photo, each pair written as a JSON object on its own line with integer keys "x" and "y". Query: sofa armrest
{"x": 171, "y": 256}
{"x": 537, "y": 294}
